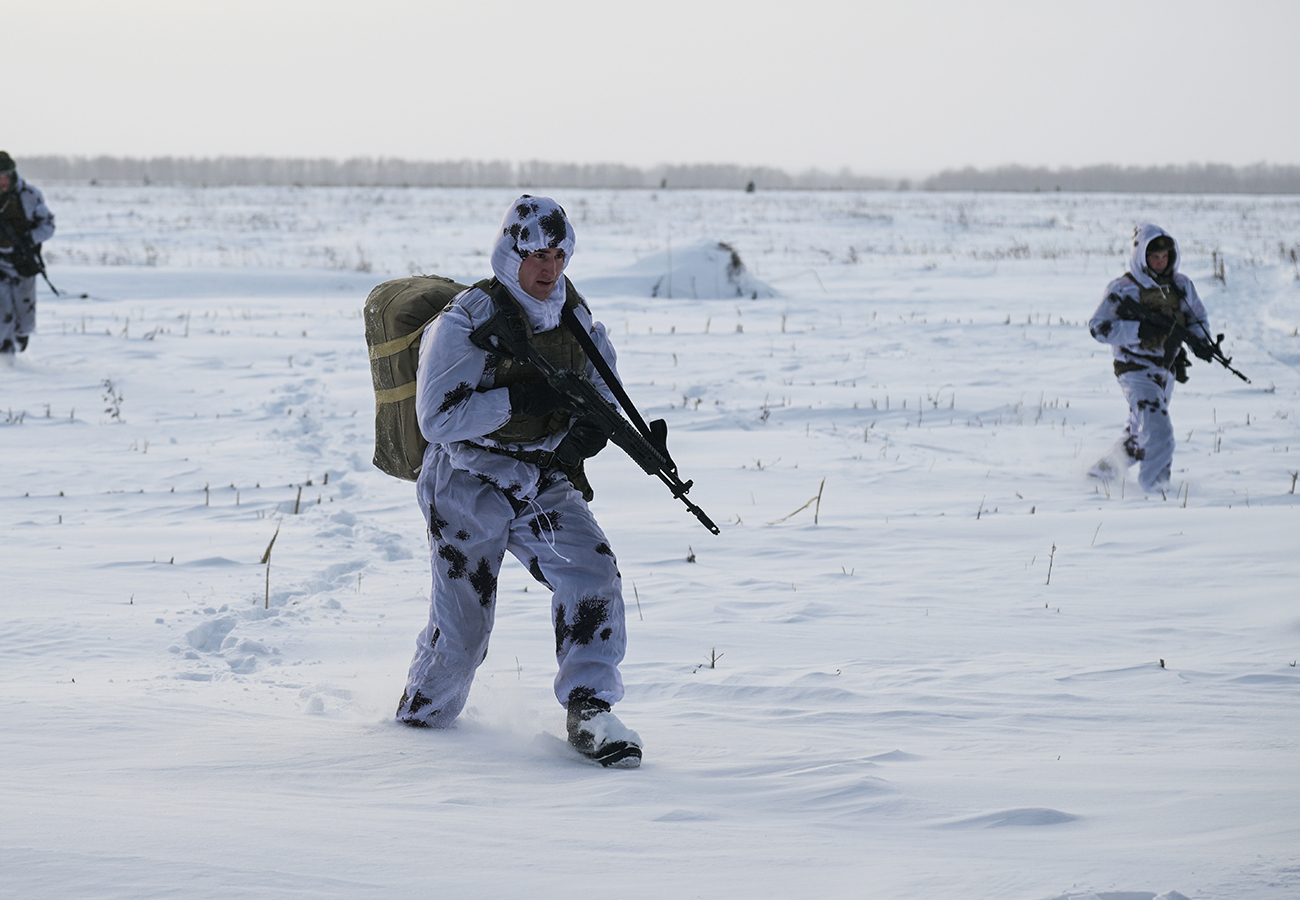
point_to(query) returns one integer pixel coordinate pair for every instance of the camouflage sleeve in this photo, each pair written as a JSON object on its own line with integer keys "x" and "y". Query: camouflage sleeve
{"x": 449, "y": 404}
{"x": 1106, "y": 325}
{"x": 1198, "y": 321}
{"x": 38, "y": 214}
{"x": 599, "y": 336}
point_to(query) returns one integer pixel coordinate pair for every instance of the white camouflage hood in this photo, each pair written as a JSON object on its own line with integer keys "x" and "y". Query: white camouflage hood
{"x": 531, "y": 224}
{"x": 1143, "y": 235}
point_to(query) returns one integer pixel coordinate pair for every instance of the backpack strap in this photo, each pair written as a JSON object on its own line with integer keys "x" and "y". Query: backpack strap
{"x": 397, "y": 345}
{"x": 509, "y": 310}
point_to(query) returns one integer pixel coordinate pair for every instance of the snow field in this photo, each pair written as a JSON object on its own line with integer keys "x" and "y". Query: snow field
{"x": 975, "y": 674}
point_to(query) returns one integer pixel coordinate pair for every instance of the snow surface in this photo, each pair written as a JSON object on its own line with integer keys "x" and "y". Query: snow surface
{"x": 926, "y": 657}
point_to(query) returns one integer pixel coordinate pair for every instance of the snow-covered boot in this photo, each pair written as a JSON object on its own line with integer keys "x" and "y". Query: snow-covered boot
{"x": 598, "y": 734}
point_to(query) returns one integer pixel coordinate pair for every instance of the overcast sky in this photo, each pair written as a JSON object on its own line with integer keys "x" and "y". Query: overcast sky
{"x": 897, "y": 88}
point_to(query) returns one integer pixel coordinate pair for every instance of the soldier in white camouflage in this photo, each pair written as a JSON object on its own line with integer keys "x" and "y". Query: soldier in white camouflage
{"x": 25, "y": 224}
{"x": 1148, "y": 361}
{"x": 502, "y": 473}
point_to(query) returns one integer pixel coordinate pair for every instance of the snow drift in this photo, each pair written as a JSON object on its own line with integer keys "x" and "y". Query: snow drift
{"x": 703, "y": 270}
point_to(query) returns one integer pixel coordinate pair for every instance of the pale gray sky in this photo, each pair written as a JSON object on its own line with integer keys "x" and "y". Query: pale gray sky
{"x": 899, "y": 88}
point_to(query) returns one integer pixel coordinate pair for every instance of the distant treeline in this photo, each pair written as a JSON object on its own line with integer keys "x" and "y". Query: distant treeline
{"x": 1260, "y": 178}
{"x": 260, "y": 170}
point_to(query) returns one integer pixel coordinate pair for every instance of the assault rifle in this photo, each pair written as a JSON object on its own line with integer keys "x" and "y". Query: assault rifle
{"x": 1202, "y": 346}
{"x": 648, "y": 449}
{"x": 26, "y": 254}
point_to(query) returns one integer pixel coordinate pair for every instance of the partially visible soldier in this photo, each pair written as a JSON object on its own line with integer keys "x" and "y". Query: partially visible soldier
{"x": 25, "y": 224}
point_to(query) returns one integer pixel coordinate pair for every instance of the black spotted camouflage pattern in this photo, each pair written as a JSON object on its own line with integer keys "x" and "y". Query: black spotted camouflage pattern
{"x": 489, "y": 503}
{"x": 1142, "y": 367}
{"x": 472, "y": 525}
{"x": 24, "y": 205}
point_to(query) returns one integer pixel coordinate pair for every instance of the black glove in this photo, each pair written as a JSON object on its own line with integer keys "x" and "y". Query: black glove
{"x": 1129, "y": 309}
{"x": 534, "y": 397}
{"x": 1150, "y": 332}
{"x": 1203, "y": 349}
{"x": 584, "y": 440}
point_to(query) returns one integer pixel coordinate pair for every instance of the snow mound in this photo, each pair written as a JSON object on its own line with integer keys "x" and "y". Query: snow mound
{"x": 1121, "y": 895}
{"x": 1014, "y": 818}
{"x": 704, "y": 270}
{"x": 208, "y": 636}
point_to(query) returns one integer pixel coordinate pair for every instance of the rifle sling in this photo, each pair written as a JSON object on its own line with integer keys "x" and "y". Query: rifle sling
{"x": 611, "y": 380}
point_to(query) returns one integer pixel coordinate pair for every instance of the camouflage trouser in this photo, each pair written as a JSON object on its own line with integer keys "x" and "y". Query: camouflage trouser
{"x": 17, "y": 305}
{"x": 1148, "y": 435}
{"x": 471, "y": 526}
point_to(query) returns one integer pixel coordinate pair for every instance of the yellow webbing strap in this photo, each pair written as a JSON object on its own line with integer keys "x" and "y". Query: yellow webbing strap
{"x": 397, "y": 345}
{"x": 397, "y": 394}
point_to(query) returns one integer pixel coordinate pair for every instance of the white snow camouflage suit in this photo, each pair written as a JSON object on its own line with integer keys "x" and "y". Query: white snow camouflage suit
{"x": 479, "y": 504}
{"x": 18, "y": 294}
{"x": 1145, "y": 369}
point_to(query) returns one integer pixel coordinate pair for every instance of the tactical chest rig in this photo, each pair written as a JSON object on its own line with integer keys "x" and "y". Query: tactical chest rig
{"x": 559, "y": 347}
{"x": 1166, "y": 299}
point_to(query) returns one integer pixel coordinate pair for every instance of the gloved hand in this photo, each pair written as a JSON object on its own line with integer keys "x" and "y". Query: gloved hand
{"x": 584, "y": 440}
{"x": 1151, "y": 333}
{"x": 1203, "y": 349}
{"x": 534, "y": 397}
{"x": 1129, "y": 309}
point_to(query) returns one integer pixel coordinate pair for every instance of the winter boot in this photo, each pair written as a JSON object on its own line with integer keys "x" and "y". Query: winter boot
{"x": 408, "y": 706}
{"x": 22, "y": 342}
{"x": 597, "y": 734}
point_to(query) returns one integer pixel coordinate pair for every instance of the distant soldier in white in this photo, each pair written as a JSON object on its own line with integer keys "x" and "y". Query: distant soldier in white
{"x": 1147, "y": 359}
{"x": 503, "y": 471}
{"x": 25, "y": 224}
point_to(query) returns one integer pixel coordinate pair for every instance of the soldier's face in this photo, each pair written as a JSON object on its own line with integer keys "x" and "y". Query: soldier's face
{"x": 4, "y": 183}
{"x": 1158, "y": 261}
{"x": 539, "y": 272}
